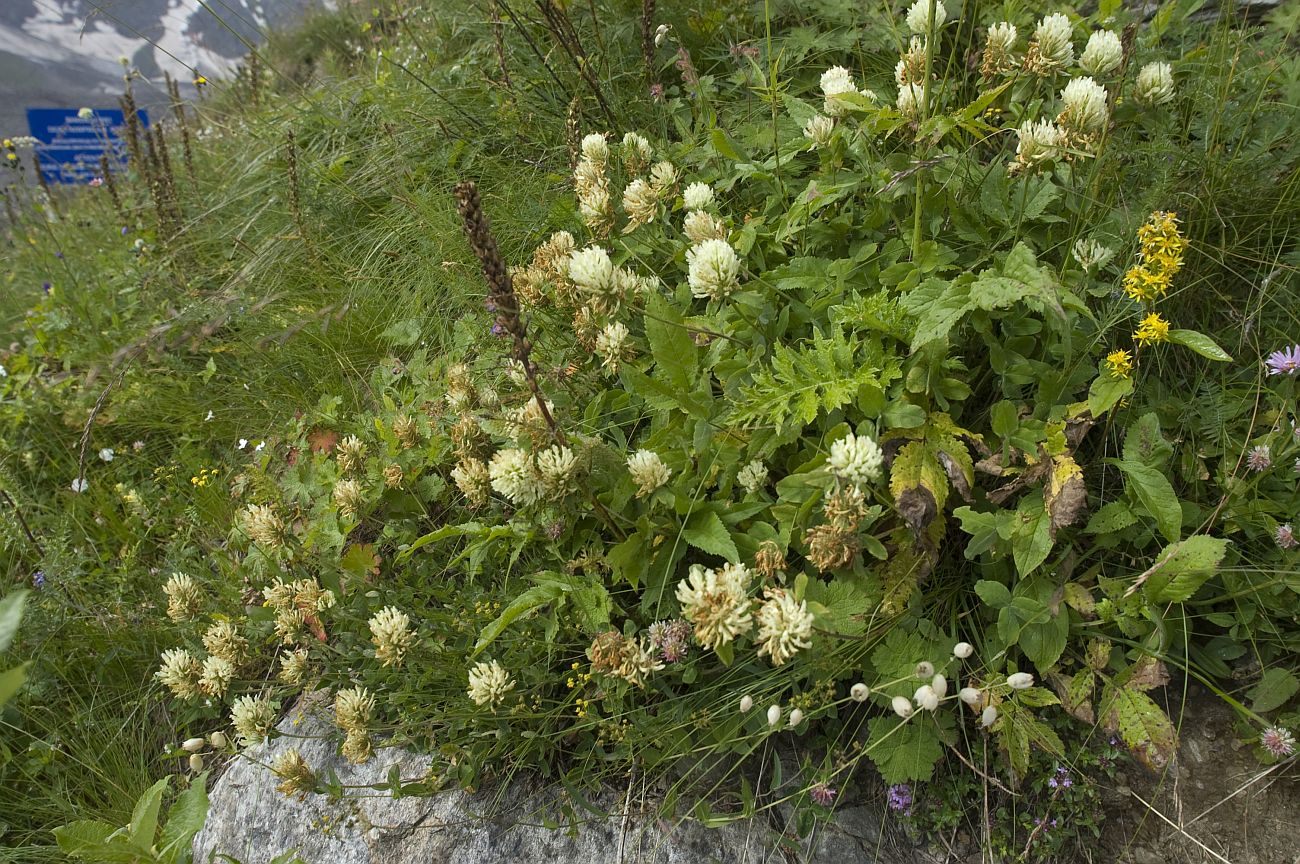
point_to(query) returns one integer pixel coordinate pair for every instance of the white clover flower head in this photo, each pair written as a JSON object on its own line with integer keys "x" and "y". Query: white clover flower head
{"x": 216, "y": 676}
{"x": 925, "y": 697}
{"x": 353, "y": 708}
{"x": 939, "y": 684}
{"x": 701, "y": 225}
{"x": 611, "y": 345}
{"x": 773, "y": 715}
{"x": 594, "y": 207}
{"x": 663, "y": 177}
{"x": 106, "y": 454}
{"x": 796, "y": 717}
{"x": 648, "y": 471}
{"x": 902, "y": 706}
{"x": 591, "y": 270}
{"x": 1083, "y": 110}
{"x": 1000, "y": 44}
{"x": 988, "y": 716}
{"x": 1020, "y": 681}
{"x": 714, "y": 269}
{"x": 636, "y": 152}
{"x": 179, "y": 672}
{"x": 716, "y": 602}
{"x": 752, "y": 477}
{"x": 1052, "y": 44}
{"x": 784, "y": 626}
{"x": 1155, "y": 84}
{"x": 1091, "y": 254}
{"x": 184, "y": 597}
{"x": 910, "y": 99}
{"x": 963, "y": 650}
{"x": 856, "y": 459}
{"x": 746, "y": 703}
{"x": 474, "y": 481}
{"x": 641, "y": 204}
{"x": 391, "y": 633}
{"x": 1103, "y": 53}
{"x": 558, "y": 467}
{"x": 350, "y": 497}
{"x": 595, "y": 148}
{"x": 836, "y": 82}
{"x": 513, "y": 474}
{"x": 489, "y": 683}
{"x": 1040, "y": 142}
{"x": 918, "y": 17}
{"x": 819, "y": 130}
{"x": 252, "y": 717}
{"x": 970, "y": 695}
{"x": 698, "y": 196}
{"x": 859, "y": 692}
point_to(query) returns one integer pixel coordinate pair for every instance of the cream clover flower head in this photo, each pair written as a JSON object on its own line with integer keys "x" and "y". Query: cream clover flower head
{"x": 918, "y": 17}
{"x": 513, "y": 474}
{"x": 856, "y": 459}
{"x": 701, "y": 225}
{"x": 641, "y": 203}
{"x": 663, "y": 177}
{"x": 595, "y": 148}
{"x": 180, "y": 672}
{"x": 1155, "y": 84}
{"x": 1091, "y": 254}
{"x": 1051, "y": 49}
{"x": 1103, "y": 53}
{"x": 999, "y": 49}
{"x": 294, "y": 666}
{"x": 264, "y": 527}
{"x": 752, "y": 477}
{"x": 1040, "y": 142}
{"x": 558, "y": 468}
{"x": 591, "y": 269}
{"x": 698, "y": 196}
{"x": 717, "y": 604}
{"x": 353, "y": 708}
{"x": 349, "y": 496}
{"x": 836, "y": 82}
{"x": 648, "y": 471}
{"x": 714, "y": 269}
{"x": 784, "y": 626}
{"x": 910, "y": 98}
{"x": 612, "y": 346}
{"x": 216, "y": 676}
{"x": 391, "y": 633}
{"x": 223, "y": 639}
{"x": 819, "y": 130}
{"x": 636, "y": 153}
{"x": 252, "y": 717}
{"x": 474, "y": 481}
{"x": 184, "y": 597}
{"x": 489, "y": 683}
{"x": 1083, "y": 112}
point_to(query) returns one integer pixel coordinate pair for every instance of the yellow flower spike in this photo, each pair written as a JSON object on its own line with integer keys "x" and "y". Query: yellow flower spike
{"x": 1152, "y": 329}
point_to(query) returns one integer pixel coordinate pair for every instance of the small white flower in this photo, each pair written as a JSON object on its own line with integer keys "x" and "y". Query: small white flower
{"x": 1020, "y": 681}
{"x": 923, "y": 670}
{"x": 80, "y": 485}
{"x": 859, "y": 692}
{"x": 752, "y": 477}
{"x": 106, "y": 454}
{"x": 4, "y": 373}
{"x": 1052, "y": 43}
{"x": 836, "y": 83}
{"x": 856, "y": 459}
{"x": 558, "y": 467}
{"x": 595, "y": 148}
{"x": 784, "y": 626}
{"x": 489, "y": 683}
{"x": 640, "y": 203}
{"x": 714, "y": 269}
{"x": 209, "y": 417}
{"x": 514, "y": 475}
{"x": 716, "y": 603}
{"x": 698, "y": 196}
{"x": 910, "y": 98}
{"x": 774, "y": 715}
{"x": 902, "y": 706}
{"x": 1155, "y": 84}
{"x": 611, "y": 345}
{"x": 701, "y": 225}
{"x": 636, "y": 153}
{"x": 962, "y": 650}
{"x": 918, "y": 17}
{"x": 243, "y": 442}
{"x": 259, "y": 447}
{"x": 940, "y": 685}
{"x": 648, "y": 471}
{"x": 1040, "y": 142}
{"x": 988, "y": 715}
{"x": 746, "y": 702}
{"x": 1103, "y": 53}
{"x": 925, "y": 697}
{"x": 1083, "y": 110}
{"x": 663, "y": 177}
{"x": 1091, "y": 254}
{"x": 591, "y": 269}
{"x": 819, "y": 129}
{"x": 661, "y": 33}
{"x": 86, "y": 113}
{"x": 796, "y": 717}
{"x": 1000, "y": 46}
{"x": 970, "y": 695}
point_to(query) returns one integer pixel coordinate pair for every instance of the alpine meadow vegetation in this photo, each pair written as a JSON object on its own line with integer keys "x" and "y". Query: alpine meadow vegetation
{"x": 786, "y": 403}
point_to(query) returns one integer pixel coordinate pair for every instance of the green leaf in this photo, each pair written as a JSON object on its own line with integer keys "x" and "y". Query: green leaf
{"x": 1200, "y": 343}
{"x": 837, "y": 605}
{"x": 185, "y": 819}
{"x": 670, "y": 343}
{"x": 1156, "y": 493}
{"x": 144, "y": 818}
{"x": 1112, "y": 517}
{"x": 95, "y": 841}
{"x": 537, "y": 596}
{"x": 727, "y": 147}
{"x": 1106, "y": 392}
{"x": 938, "y": 305}
{"x": 704, "y": 530}
{"x": 11, "y": 612}
{"x": 1273, "y": 690}
{"x": 1182, "y": 568}
{"x": 1143, "y": 726}
{"x": 10, "y": 682}
{"x": 994, "y": 594}
{"x": 904, "y": 750}
{"x": 1031, "y": 541}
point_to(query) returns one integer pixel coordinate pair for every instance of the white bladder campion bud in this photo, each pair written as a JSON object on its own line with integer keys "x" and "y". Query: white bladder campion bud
{"x": 925, "y": 697}
{"x": 940, "y": 685}
{"x": 970, "y": 695}
{"x": 746, "y": 702}
{"x": 218, "y": 740}
{"x": 193, "y": 745}
{"x": 987, "y": 717}
{"x": 1020, "y": 681}
{"x": 962, "y": 650}
{"x": 774, "y": 715}
{"x": 924, "y": 669}
{"x": 796, "y": 717}
{"x": 196, "y": 763}
{"x": 859, "y": 692}
{"x": 902, "y": 706}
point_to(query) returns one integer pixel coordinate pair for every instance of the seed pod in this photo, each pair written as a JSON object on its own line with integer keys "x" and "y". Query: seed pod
{"x": 962, "y": 650}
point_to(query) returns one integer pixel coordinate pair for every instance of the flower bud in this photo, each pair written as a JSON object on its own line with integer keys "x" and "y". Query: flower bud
{"x": 774, "y": 715}
{"x": 902, "y": 707}
{"x": 859, "y": 692}
{"x": 193, "y": 745}
{"x": 196, "y": 763}
{"x": 746, "y": 702}
{"x": 218, "y": 740}
{"x": 940, "y": 685}
{"x": 924, "y": 669}
{"x": 796, "y": 717}
{"x": 962, "y": 650}
{"x": 970, "y": 696}
{"x": 988, "y": 716}
{"x": 1020, "y": 681}
{"x": 925, "y": 698}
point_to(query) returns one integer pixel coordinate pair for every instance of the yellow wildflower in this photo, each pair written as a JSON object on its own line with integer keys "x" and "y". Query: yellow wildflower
{"x": 1152, "y": 329}
{"x": 1146, "y": 286}
{"x": 1119, "y": 363}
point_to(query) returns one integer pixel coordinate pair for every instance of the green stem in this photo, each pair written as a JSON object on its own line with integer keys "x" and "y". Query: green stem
{"x": 923, "y": 113}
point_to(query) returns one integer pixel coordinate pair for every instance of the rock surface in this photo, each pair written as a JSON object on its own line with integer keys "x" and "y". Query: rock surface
{"x": 253, "y": 823}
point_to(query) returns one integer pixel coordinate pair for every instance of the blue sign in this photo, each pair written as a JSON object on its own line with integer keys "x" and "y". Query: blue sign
{"x": 71, "y": 145}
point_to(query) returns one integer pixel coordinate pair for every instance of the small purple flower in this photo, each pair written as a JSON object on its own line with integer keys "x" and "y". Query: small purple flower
{"x": 1259, "y": 458}
{"x": 38, "y": 579}
{"x": 46, "y": 287}
{"x": 1278, "y": 741}
{"x": 497, "y": 329}
{"x": 1051, "y": 783}
{"x": 1285, "y": 537}
{"x": 125, "y": 230}
{"x": 899, "y": 797}
{"x": 822, "y": 794}
{"x": 1284, "y": 362}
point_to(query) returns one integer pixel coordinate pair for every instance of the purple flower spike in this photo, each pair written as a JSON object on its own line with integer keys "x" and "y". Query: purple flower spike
{"x": 899, "y": 797}
{"x": 1284, "y": 362}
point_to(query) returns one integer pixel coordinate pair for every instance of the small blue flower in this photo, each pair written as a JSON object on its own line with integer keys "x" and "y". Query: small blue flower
{"x": 38, "y": 579}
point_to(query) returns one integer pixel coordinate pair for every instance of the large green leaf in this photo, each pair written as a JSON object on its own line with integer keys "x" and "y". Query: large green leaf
{"x": 1200, "y": 343}
{"x": 144, "y": 818}
{"x": 184, "y": 820}
{"x": 1275, "y": 687}
{"x": 11, "y": 612}
{"x": 537, "y": 596}
{"x": 904, "y": 750}
{"x": 1156, "y": 493}
{"x": 95, "y": 841}
{"x": 704, "y": 530}
{"x": 1181, "y": 568}
{"x": 671, "y": 345}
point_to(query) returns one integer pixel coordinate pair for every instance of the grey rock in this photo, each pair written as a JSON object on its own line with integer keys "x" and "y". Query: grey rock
{"x": 253, "y": 823}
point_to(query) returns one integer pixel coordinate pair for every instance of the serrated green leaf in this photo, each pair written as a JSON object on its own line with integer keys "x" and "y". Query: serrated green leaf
{"x": 1275, "y": 687}
{"x": 1110, "y": 518}
{"x": 671, "y": 345}
{"x": 705, "y": 530}
{"x": 185, "y": 818}
{"x": 1156, "y": 493}
{"x": 938, "y": 305}
{"x": 90, "y": 840}
{"x": 1181, "y": 568}
{"x": 904, "y": 750}
{"x": 1143, "y": 726}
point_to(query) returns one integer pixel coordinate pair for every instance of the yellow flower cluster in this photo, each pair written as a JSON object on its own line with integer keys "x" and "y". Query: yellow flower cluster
{"x": 204, "y": 477}
{"x": 1119, "y": 363}
{"x": 1159, "y": 259}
